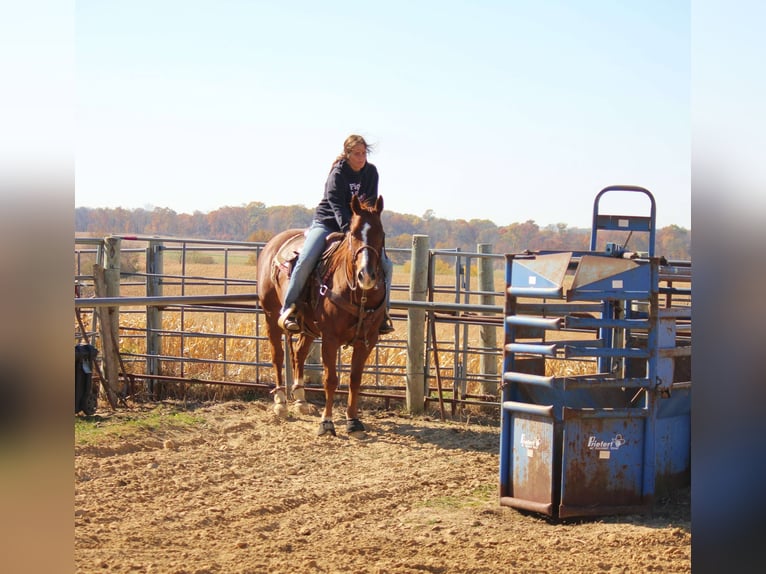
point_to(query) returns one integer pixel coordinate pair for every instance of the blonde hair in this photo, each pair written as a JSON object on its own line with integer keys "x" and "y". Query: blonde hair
{"x": 351, "y": 142}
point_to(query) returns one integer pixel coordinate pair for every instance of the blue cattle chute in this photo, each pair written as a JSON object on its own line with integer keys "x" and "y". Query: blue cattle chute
{"x": 612, "y": 440}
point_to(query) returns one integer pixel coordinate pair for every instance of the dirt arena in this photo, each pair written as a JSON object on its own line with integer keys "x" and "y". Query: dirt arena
{"x": 242, "y": 491}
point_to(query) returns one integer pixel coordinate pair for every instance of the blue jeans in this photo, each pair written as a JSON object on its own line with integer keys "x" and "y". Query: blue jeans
{"x": 307, "y": 260}
{"x": 312, "y": 250}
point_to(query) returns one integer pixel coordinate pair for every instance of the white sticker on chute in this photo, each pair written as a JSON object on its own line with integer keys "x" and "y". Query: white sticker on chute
{"x": 532, "y": 280}
{"x": 617, "y": 284}
{"x": 623, "y": 222}
{"x": 530, "y": 443}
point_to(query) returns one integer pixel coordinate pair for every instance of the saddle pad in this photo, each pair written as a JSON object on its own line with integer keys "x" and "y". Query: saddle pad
{"x": 289, "y": 250}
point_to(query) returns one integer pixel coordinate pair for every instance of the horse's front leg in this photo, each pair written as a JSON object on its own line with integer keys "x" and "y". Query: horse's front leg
{"x": 358, "y": 360}
{"x": 330, "y": 384}
{"x": 277, "y": 357}
{"x": 300, "y": 350}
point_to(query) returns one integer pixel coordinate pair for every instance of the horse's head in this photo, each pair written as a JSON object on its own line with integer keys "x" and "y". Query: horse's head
{"x": 365, "y": 236}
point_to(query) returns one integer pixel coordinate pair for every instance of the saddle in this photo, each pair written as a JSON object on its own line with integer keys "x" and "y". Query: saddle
{"x": 285, "y": 258}
{"x": 284, "y": 262}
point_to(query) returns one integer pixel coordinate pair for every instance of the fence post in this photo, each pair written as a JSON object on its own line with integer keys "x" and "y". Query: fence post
{"x": 416, "y": 321}
{"x": 487, "y": 362}
{"x": 107, "y": 284}
{"x": 154, "y": 270}
{"x": 112, "y": 279}
{"x": 108, "y": 355}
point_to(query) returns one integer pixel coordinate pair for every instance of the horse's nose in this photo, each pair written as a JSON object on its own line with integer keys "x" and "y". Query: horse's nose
{"x": 362, "y": 276}
{"x": 366, "y": 278}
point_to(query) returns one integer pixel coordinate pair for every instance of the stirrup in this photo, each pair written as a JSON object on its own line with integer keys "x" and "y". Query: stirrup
{"x": 386, "y": 326}
{"x": 287, "y": 321}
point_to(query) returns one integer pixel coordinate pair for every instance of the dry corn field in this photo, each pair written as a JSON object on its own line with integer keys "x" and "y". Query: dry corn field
{"x": 240, "y": 346}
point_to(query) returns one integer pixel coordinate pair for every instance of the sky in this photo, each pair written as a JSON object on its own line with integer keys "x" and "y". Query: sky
{"x": 502, "y": 110}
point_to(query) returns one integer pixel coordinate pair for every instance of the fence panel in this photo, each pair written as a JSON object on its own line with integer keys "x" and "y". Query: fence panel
{"x": 189, "y": 324}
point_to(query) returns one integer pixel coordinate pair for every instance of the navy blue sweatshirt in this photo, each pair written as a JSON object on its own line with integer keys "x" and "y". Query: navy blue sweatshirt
{"x": 334, "y": 211}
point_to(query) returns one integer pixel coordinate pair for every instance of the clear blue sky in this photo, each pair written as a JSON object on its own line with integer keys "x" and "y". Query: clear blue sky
{"x": 501, "y": 110}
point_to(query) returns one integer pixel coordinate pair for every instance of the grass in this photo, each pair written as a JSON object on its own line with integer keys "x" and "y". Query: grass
{"x": 478, "y": 497}
{"x": 95, "y": 430}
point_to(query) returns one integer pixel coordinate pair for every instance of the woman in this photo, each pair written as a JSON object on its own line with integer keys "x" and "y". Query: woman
{"x": 351, "y": 174}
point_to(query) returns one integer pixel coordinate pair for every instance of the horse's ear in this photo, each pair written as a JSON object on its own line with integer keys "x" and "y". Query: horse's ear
{"x": 379, "y": 204}
{"x": 356, "y": 207}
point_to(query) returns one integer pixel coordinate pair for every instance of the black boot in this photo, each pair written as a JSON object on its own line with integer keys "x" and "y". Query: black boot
{"x": 387, "y": 326}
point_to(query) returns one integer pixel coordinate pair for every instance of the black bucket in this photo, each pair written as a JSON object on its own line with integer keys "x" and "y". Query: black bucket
{"x": 85, "y": 396}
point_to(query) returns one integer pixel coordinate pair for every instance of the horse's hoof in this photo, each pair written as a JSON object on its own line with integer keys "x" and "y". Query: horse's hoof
{"x": 299, "y": 393}
{"x": 354, "y": 426}
{"x": 280, "y": 409}
{"x": 280, "y": 402}
{"x": 302, "y": 407}
{"x": 326, "y": 427}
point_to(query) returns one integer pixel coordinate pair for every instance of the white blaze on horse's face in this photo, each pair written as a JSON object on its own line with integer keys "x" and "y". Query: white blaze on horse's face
{"x": 365, "y": 240}
{"x": 366, "y": 274}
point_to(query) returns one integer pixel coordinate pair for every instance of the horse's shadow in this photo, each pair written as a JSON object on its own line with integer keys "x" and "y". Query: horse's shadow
{"x": 449, "y": 437}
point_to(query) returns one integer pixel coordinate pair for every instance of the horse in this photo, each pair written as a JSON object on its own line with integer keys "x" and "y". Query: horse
{"x": 343, "y": 303}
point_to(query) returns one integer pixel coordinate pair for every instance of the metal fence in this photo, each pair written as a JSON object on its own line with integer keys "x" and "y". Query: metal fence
{"x": 186, "y": 322}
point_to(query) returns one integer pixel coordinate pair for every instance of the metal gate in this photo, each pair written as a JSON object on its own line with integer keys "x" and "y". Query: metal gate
{"x": 611, "y": 439}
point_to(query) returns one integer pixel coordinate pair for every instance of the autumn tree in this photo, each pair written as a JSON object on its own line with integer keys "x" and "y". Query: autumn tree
{"x": 256, "y": 222}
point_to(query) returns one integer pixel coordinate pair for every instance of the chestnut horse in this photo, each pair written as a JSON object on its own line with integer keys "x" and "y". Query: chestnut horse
{"x": 343, "y": 303}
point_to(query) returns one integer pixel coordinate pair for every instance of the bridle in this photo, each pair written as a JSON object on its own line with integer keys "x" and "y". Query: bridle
{"x": 359, "y": 309}
{"x": 350, "y": 272}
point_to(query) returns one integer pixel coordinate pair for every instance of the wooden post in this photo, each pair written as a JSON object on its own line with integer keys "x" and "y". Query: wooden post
{"x": 112, "y": 279}
{"x": 416, "y": 321}
{"x": 154, "y": 271}
{"x": 109, "y": 343}
{"x": 487, "y": 363}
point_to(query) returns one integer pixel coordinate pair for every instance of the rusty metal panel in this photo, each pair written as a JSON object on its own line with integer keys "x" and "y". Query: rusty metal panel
{"x": 599, "y": 277}
{"x": 602, "y": 462}
{"x": 541, "y": 276}
{"x": 533, "y": 466}
{"x": 593, "y": 269}
{"x": 540, "y": 271}
{"x": 673, "y": 441}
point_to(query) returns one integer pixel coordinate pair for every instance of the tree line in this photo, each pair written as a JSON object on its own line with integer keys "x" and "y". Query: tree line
{"x": 257, "y": 222}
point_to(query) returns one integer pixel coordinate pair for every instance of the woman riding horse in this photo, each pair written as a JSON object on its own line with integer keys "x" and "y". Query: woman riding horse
{"x": 351, "y": 174}
{"x": 345, "y": 306}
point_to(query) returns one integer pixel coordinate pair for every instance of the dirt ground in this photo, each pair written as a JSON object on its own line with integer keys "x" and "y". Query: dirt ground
{"x": 243, "y": 491}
